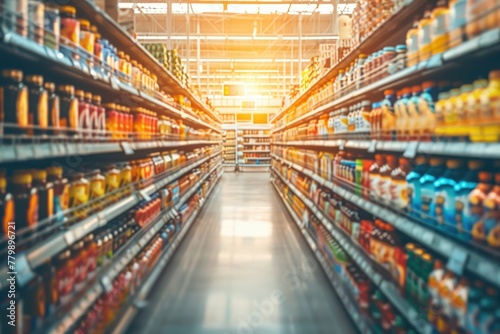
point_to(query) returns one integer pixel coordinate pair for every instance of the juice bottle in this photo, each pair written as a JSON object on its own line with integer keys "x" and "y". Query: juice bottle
{"x": 53, "y": 108}
{"x": 83, "y": 112}
{"x": 463, "y": 113}
{"x": 61, "y": 191}
{"x": 414, "y": 188}
{"x": 68, "y": 109}
{"x": 490, "y": 108}
{"x": 399, "y": 185}
{"x": 465, "y": 214}
{"x": 441, "y": 124}
{"x": 476, "y": 293}
{"x": 6, "y": 205}
{"x": 474, "y": 108}
{"x": 427, "y": 190}
{"x": 425, "y": 36}
{"x": 25, "y": 199}
{"x": 402, "y": 116}
{"x": 459, "y": 306}
{"x": 388, "y": 118}
{"x": 412, "y": 44}
{"x": 443, "y": 208}
{"x": 488, "y": 228}
{"x": 385, "y": 178}
{"x": 451, "y": 117}
{"x": 79, "y": 193}
{"x": 440, "y": 27}
{"x": 413, "y": 112}
{"x": 434, "y": 302}
{"x": 446, "y": 288}
{"x": 14, "y": 102}
{"x": 375, "y": 176}
{"x": 426, "y": 123}
{"x": 70, "y": 32}
{"x": 38, "y": 105}
{"x": 112, "y": 120}
{"x": 397, "y": 113}
{"x": 45, "y": 191}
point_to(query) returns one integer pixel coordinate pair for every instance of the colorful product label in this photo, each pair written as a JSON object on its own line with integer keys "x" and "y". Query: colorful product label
{"x": 426, "y": 197}
{"x": 399, "y": 193}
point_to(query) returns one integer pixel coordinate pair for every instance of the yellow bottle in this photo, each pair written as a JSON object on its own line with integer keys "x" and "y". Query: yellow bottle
{"x": 440, "y": 28}
{"x": 462, "y": 110}
{"x": 451, "y": 113}
{"x": 473, "y": 107}
{"x": 441, "y": 125}
{"x": 490, "y": 109}
{"x": 425, "y": 36}
{"x": 412, "y": 45}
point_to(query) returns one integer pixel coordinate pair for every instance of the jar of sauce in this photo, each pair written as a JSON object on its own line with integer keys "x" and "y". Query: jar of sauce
{"x": 53, "y": 108}
{"x": 52, "y": 26}
{"x": 68, "y": 109}
{"x": 70, "y": 32}
{"x": 79, "y": 255}
{"x": 87, "y": 40}
{"x": 45, "y": 191}
{"x": 61, "y": 191}
{"x": 38, "y": 105}
{"x": 14, "y": 102}
{"x": 25, "y": 199}
{"x": 65, "y": 275}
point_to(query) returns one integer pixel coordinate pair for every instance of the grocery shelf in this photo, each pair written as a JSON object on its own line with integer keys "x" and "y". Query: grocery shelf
{"x": 360, "y": 322}
{"x": 488, "y": 43}
{"x": 408, "y": 148}
{"x": 388, "y": 31}
{"x": 256, "y": 136}
{"x": 37, "y": 255}
{"x": 256, "y": 151}
{"x": 131, "y": 308}
{"x": 473, "y": 261}
{"x": 137, "y": 242}
{"x": 364, "y": 263}
{"x": 124, "y": 41}
{"x": 257, "y": 158}
{"x": 10, "y": 153}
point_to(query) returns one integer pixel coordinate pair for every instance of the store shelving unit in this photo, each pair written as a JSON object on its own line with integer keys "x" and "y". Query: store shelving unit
{"x": 255, "y": 147}
{"x": 230, "y": 147}
{"x": 197, "y": 140}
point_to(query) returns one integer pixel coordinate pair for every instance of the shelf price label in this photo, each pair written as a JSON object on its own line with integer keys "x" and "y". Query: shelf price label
{"x": 457, "y": 261}
{"x": 127, "y": 148}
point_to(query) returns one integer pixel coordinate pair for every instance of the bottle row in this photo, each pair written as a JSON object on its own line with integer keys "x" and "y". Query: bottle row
{"x": 61, "y": 281}
{"x": 457, "y": 197}
{"x": 441, "y": 28}
{"x": 41, "y": 200}
{"x": 451, "y": 302}
{"x": 60, "y": 28}
{"x": 31, "y": 106}
{"x": 438, "y": 111}
{"x": 247, "y": 141}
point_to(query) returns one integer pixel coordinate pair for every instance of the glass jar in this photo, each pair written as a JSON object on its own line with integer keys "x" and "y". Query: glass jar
{"x": 45, "y": 191}
{"x": 25, "y": 199}
{"x": 112, "y": 176}
{"x": 65, "y": 274}
{"x": 68, "y": 109}
{"x": 97, "y": 185}
{"x": 125, "y": 175}
{"x": 38, "y": 105}
{"x": 36, "y": 19}
{"x": 79, "y": 192}
{"x": 14, "y": 101}
{"x": 87, "y": 39}
{"x": 53, "y": 108}
{"x": 70, "y": 32}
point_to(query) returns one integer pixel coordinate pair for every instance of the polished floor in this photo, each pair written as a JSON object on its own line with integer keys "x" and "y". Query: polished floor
{"x": 243, "y": 268}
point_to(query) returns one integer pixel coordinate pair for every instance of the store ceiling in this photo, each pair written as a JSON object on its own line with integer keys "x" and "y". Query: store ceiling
{"x": 264, "y": 44}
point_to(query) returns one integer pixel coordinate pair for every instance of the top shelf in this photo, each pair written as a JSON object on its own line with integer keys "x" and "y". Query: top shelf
{"x": 393, "y": 30}
{"x": 124, "y": 41}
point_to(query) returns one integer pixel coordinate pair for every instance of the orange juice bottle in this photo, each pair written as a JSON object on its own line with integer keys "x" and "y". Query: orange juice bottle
{"x": 413, "y": 112}
{"x": 412, "y": 44}
{"x": 490, "y": 109}
{"x": 440, "y": 27}
{"x": 425, "y": 36}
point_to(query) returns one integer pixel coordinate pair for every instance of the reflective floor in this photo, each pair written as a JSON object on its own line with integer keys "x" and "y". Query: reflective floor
{"x": 243, "y": 268}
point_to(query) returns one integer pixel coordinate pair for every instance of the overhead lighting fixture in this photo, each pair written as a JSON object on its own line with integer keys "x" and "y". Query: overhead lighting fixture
{"x": 235, "y": 38}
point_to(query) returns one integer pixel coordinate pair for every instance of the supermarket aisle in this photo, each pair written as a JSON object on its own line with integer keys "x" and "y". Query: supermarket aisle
{"x": 243, "y": 268}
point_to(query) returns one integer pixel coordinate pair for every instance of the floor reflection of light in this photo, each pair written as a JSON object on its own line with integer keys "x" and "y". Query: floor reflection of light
{"x": 246, "y": 228}
{"x": 243, "y": 257}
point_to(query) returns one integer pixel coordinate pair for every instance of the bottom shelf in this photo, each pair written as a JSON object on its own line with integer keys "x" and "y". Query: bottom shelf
{"x": 139, "y": 300}
{"x": 360, "y": 322}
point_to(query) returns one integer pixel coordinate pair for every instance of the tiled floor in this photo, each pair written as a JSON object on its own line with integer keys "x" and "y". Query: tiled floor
{"x": 243, "y": 269}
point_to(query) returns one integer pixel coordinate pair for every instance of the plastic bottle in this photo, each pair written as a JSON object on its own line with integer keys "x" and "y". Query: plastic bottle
{"x": 463, "y": 112}
{"x": 413, "y": 112}
{"x": 7, "y": 209}
{"x": 459, "y": 305}
{"x": 457, "y": 22}
{"x": 490, "y": 108}
{"x": 427, "y": 190}
{"x": 375, "y": 176}
{"x": 434, "y": 303}
{"x": 444, "y": 203}
{"x": 38, "y": 104}
{"x": 474, "y": 108}
{"x": 53, "y": 108}
{"x": 413, "y": 185}
{"x": 399, "y": 185}
{"x": 412, "y": 44}
{"x": 425, "y": 36}
{"x": 388, "y": 120}
{"x": 446, "y": 288}
{"x": 441, "y": 129}
{"x": 476, "y": 293}
{"x": 45, "y": 191}
{"x": 426, "y": 107}
{"x": 488, "y": 228}
{"x": 385, "y": 178}
{"x": 440, "y": 27}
